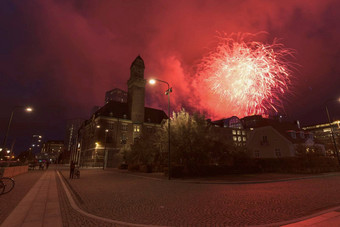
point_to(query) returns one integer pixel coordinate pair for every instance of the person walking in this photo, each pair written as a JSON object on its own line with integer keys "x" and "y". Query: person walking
{"x": 72, "y": 167}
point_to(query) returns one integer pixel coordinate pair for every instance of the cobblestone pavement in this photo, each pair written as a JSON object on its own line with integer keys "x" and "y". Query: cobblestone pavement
{"x": 141, "y": 200}
{"x": 23, "y": 183}
{"x": 73, "y": 218}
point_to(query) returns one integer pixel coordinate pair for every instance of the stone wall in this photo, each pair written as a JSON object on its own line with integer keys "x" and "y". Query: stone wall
{"x": 14, "y": 171}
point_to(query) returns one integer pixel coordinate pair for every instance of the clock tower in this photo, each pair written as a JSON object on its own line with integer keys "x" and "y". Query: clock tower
{"x": 136, "y": 91}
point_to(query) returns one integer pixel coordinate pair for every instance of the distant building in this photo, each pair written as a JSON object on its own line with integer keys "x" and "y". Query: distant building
{"x": 116, "y": 95}
{"x": 275, "y": 138}
{"x": 51, "y": 150}
{"x": 323, "y": 134}
{"x": 36, "y": 144}
{"x": 232, "y": 130}
{"x": 71, "y": 136}
{"x": 117, "y": 124}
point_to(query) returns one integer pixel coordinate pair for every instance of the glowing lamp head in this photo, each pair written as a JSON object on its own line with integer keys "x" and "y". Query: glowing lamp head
{"x": 29, "y": 109}
{"x": 97, "y": 144}
{"x": 152, "y": 81}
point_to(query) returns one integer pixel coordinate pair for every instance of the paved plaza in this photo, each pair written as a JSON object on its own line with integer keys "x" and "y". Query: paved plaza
{"x": 120, "y": 198}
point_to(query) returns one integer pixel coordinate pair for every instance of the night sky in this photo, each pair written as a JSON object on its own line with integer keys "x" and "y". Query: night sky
{"x": 61, "y": 56}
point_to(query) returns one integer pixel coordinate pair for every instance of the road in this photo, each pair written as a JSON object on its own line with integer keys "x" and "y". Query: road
{"x": 141, "y": 200}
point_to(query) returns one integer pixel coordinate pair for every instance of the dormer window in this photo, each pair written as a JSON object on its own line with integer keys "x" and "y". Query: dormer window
{"x": 293, "y": 134}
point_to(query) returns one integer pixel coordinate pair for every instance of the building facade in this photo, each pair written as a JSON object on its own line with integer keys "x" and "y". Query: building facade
{"x": 36, "y": 145}
{"x": 51, "y": 150}
{"x": 276, "y": 138}
{"x": 117, "y": 124}
{"x": 323, "y": 134}
{"x": 232, "y": 130}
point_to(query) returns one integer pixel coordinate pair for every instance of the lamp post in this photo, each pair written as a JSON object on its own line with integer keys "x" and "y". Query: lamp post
{"x": 167, "y": 92}
{"x": 330, "y": 125}
{"x": 27, "y": 109}
{"x": 105, "y": 154}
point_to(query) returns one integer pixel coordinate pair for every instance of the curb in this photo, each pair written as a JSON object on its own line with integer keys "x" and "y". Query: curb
{"x": 234, "y": 182}
{"x": 82, "y": 212}
{"x": 282, "y": 223}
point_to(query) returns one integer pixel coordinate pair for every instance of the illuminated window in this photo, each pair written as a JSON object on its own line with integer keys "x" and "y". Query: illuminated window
{"x": 244, "y": 139}
{"x": 239, "y": 138}
{"x": 235, "y": 138}
{"x": 238, "y": 132}
{"x": 243, "y": 133}
{"x": 136, "y": 128}
{"x": 234, "y": 132}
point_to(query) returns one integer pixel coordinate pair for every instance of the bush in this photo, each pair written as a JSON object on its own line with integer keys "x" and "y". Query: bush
{"x": 123, "y": 166}
{"x": 133, "y": 167}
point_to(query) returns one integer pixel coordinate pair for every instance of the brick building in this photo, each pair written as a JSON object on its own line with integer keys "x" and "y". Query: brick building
{"x": 117, "y": 124}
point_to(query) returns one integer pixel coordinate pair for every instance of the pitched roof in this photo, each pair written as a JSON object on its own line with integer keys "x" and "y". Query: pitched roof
{"x": 154, "y": 115}
{"x": 118, "y": 110}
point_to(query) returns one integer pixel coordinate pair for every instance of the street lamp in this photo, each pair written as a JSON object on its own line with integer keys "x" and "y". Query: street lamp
{"x": 167, "y": 92}
{"x": 105, "y": 154}
{"x": 330, "y": 125}
{"x": 27, "y": 109}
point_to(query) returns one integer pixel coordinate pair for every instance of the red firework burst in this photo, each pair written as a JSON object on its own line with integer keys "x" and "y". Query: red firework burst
{"x": 248, "y": 76}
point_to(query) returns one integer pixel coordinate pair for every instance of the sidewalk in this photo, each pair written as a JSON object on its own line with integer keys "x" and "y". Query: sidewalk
{"x": 328, "y": 219}
{"x": 40, "y": 207}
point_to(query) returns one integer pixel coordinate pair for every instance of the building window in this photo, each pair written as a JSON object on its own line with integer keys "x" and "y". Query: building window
{"x": 234, "y": 132}
{"x": 278, "y": 152}
{"x": 235, "y": 138}
{"x": 136, "y": 128}
{"x": 257, "y": 154}
{"x": 243, "y": 133}
{"x": 238, "y": 132}
{"x": 124, "y": 128}
{"x": 239, "y": 139}
{"x": 244, "y": 139}
{"x": 265, "y": 139}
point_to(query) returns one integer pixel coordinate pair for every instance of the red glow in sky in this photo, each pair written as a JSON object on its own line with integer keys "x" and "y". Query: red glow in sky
{"x": 61, "y": 56}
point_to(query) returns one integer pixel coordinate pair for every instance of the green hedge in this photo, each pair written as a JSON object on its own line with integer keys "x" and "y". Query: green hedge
{"x": 248, "y": 166}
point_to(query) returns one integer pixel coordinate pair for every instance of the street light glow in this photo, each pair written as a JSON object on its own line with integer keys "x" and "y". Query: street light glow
{"x": 29, "y": 109}
{"x": 152, "y": 81}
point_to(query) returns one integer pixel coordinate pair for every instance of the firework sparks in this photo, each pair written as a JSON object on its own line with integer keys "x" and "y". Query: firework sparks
{"x": 246, "y": 75}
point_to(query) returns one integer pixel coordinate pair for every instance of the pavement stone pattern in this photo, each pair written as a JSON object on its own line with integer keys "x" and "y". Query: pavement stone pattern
{"x": 23, "y": 183}
{"x": 71, "y": 217}
{"x": 40, "y": 206}
{"x": 141, "y": 200}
